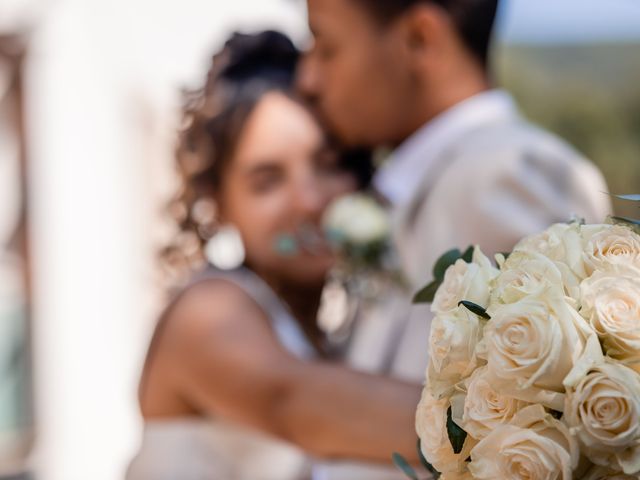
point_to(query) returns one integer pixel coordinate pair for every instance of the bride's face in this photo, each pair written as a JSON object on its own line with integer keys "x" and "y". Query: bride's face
{"x": 280, "y": 180}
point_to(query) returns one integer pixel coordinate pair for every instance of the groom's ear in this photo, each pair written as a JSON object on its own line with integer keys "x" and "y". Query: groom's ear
{"x": 428, "y": 33}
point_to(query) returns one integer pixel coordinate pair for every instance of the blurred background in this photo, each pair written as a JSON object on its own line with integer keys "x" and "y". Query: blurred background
{"x": 89, "y": 96}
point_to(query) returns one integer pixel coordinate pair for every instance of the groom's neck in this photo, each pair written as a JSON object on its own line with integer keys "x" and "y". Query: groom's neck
{"x": 439, "y": 95}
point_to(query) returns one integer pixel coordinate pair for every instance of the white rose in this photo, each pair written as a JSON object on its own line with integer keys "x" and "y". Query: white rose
{"x": 357, "y": 219}
{"x": 431, "y": 426}
{"x": 603, "y": 410}
{"x": 466, "y": 475}
{"x": 533, "y": 344}
{"x": 484, "y": 408}
{"x": 465, "y": 281}
{"x": 525, "y": 274}
{"x": 611, "y": 303}
{"x": 560, "y": 242}
{"x": 606, "y": 245}
{"x": 452, "y": 342}
{"x": 534, "y": 446}
{"x": 601, "y": 473}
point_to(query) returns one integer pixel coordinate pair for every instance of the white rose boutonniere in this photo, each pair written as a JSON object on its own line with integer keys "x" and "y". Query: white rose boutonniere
{"x": 357, "y": 220}
{"x": 357, "y": 229}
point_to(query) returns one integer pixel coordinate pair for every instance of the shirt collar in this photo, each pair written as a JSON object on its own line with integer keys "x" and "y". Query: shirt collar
{"x": 399, "y": 178}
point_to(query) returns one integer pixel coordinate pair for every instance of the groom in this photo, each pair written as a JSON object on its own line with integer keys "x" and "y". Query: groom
{"x": 466, "y": 168}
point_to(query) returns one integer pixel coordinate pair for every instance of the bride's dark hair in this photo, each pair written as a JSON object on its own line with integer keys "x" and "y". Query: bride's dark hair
{"x": 246, "y": 68}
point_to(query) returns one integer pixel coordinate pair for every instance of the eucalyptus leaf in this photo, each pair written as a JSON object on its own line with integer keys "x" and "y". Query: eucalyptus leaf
{"x": 467, "y": 256}
{"x": 477, "y": 309}
{"x": 427, "y": 294}
{"x": 457, "y": 436}
{"x": 403, "y": 465}
{"x": 430, "y": 468}
{"x": 631, "y": 198}
{"x": 556, "y": 414}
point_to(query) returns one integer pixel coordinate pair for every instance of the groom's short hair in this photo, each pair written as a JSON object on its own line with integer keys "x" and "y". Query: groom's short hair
{"x": 474, "y": 19}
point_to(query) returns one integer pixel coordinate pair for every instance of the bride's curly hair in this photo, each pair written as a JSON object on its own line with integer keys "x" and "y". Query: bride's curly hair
{"x": 245, "y": 69}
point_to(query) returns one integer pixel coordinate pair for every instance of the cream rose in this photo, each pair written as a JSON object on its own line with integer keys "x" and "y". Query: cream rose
{"x": 611, "y": 304}
{"x": 484, "y": 408}
{"x": 601, "y": 473}
{"x": 603, "y": 410}
{"x": 563, "y": 245}
{"x": 606, "y": 245}
{"x": 457, "y": 476}
{"x": 532, "y": 345}
{"x": 465, "y": 281}
{"x": 533, "y": 446}
{"x": 452, "y": 342}
{"x": 431, "y": 426}
{"x": 561, "y": 242}
{"x": 525, "y": 274}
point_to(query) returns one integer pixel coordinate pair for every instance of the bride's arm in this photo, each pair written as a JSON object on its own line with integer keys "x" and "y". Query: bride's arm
{"x": 227, "y": 362}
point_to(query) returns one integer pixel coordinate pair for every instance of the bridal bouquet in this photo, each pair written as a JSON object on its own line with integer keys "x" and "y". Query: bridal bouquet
{"x": 534, "y": 363}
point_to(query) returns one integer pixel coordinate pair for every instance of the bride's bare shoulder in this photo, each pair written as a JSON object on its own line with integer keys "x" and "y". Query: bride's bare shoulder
{"x": 212, "y": 305}
{"x": 202, "y": 335}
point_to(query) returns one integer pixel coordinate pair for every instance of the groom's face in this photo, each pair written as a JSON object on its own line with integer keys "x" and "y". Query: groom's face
{"x": 358, "y": 73}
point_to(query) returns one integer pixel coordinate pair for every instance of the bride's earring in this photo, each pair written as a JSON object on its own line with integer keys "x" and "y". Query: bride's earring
{"x": 225, "y": 249}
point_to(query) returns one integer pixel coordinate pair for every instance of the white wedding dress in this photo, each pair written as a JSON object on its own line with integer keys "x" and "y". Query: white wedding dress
{"x": 213, "y": 449}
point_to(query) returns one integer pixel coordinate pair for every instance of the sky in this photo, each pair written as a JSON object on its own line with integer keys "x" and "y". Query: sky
{"x": 569, "y": 21}
{"x": 537, "y": 21}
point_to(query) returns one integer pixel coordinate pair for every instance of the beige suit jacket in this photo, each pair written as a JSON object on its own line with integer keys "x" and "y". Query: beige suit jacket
{"x": 499, "y": 183}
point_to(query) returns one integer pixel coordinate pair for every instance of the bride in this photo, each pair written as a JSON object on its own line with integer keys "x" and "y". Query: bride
{"x": 237, "y": 380}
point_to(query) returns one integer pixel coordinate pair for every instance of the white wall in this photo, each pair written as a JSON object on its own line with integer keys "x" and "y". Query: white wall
{"x": 103, "y": 78}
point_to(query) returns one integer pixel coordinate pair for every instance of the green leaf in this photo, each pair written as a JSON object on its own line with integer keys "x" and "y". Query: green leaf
{"x": 430, "y": 468}
{"x": 477, "y": 309}
{"x": 457, "y": 436}
{"x": 556, "y": 414}
{"x": 631, "y": 198}
{"x": 444, "y": 262}
{"x": 427, "y": 294}
{"x": 403, "y": 465}
{"x": 467, "y": 256}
